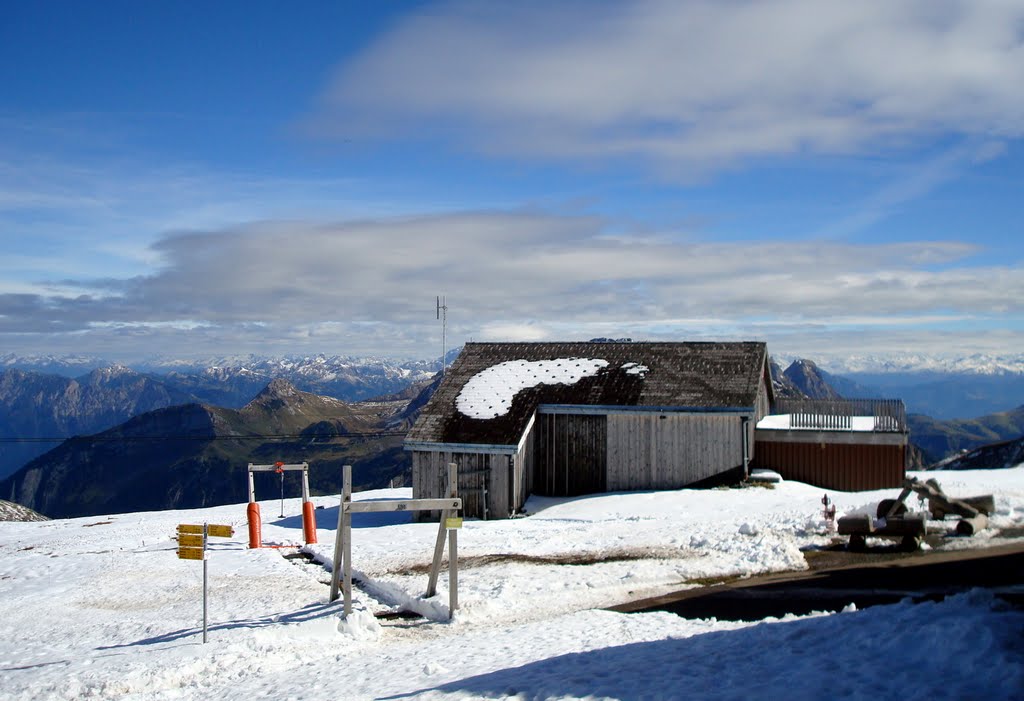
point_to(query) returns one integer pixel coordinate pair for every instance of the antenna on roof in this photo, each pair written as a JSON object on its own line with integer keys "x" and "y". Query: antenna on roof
{"x": 442, "y": 314}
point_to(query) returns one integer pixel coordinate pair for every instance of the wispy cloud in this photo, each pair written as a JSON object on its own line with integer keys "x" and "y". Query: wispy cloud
{"x": 913, "y": 183}
{"x": 688, "y": 87}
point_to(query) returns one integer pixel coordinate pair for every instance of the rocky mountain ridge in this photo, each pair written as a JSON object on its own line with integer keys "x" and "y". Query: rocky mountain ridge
{"x": 808, "y": 379}
{"x": 194, "y": 455}
{"x": 9, "y": 511}
{"x": 942, "y": 439}
{"x": 34, "y": 407}
{"x": 932, "y": 441}
{"x": 993, "y": 456}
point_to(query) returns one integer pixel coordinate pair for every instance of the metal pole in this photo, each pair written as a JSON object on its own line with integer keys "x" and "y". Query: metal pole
{"x": 205, "y": 578}
{"x": 744, "y": 426}
{"x": 442, "y": 314}
{"x": 282, "y": 493}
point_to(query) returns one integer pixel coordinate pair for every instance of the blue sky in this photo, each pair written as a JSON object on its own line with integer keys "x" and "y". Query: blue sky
{"x": 225, "y": 178}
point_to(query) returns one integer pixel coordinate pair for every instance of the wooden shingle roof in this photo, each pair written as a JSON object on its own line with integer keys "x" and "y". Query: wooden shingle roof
{"x": 655, "y": 376}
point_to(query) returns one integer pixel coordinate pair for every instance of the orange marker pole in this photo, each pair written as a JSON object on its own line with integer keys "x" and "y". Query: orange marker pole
{"x": 252, "y": 513}
{"x": 308, "y": 523}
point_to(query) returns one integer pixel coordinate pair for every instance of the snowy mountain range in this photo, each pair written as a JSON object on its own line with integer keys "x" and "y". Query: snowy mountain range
{"x": 325, "y": 367}
{"x": 918, "y": 363}
{"x": 318, "y": 368}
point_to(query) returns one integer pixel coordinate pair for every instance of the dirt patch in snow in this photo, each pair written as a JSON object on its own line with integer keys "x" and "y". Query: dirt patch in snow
{"x": 559, "y": 559}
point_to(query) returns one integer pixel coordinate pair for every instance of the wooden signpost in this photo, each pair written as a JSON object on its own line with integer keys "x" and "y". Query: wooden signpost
{"x": 192, "y": 540}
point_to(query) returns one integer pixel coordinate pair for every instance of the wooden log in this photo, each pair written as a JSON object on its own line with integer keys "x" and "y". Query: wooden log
{"x": 941, "y": 505}
{"x": 855, "y": 523}
{"x": 986, "y": 503}
{"x": 970, "y": 526}
{"x": 888, "y": 508}
{"x": 911, "y": 524}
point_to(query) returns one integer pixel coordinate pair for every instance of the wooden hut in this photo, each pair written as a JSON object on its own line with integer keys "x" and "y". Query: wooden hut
{"x": 565, "y": 419}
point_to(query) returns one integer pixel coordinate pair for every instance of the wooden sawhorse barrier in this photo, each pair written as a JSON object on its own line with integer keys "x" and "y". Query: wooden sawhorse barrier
{"x": 341, "y": 576}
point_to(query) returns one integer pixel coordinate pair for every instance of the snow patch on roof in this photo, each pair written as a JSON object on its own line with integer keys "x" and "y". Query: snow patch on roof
{"x": 635, "y": 369}
{"x": 490, "y": 392}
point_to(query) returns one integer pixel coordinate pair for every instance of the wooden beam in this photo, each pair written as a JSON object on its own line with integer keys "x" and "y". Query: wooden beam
{"x": 402, "y": 505}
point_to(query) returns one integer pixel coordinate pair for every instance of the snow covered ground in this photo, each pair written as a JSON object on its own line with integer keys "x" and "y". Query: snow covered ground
{"x": 102, "y": 608}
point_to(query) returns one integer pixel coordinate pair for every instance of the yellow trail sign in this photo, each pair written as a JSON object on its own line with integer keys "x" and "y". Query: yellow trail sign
{"x": 215, "y": 530}
{"x": 191, "y": 553}
{"x": 453, "y": 522}
{"x": 220, "y": 531}
{"x": 191, "y": 540}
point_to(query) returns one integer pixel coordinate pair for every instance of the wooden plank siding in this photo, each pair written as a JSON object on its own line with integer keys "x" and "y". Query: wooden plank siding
{"x": 479, "y": 474}
{"x": 669, "y": 451}
{"x": 570, "y": 453}
{"x": 839, "y": 466}
{"x": 523, "y": 471}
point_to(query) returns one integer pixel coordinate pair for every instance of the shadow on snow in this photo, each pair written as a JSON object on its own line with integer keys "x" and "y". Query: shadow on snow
{"x": 877, "y": 653}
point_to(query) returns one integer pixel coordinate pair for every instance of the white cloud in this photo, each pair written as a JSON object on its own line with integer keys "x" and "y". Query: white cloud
{"x": 513, "y": 275}
{"x": 689, "y": 86}
{"x": 524, "y": 332}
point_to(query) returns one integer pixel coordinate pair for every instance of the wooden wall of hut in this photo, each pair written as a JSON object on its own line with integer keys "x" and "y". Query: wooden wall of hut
{"x": 484, "y": 481}
{"x": 839, "y": 466}
{"x": 569, "y": 454}
{"x": 669, "y": 451}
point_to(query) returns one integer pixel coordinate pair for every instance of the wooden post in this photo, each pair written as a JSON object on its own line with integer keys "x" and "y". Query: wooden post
{"x": 453, "y": 545}
{"x": 346, "y": 538}
{"x": 340, "y": 538}
{"x": 435, "y": 563}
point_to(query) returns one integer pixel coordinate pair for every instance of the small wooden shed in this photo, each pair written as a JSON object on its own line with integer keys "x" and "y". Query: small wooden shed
{"x": 564, "y": 419}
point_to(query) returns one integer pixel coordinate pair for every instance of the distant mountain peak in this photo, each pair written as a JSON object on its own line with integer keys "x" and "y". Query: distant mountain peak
{"x": 111, "y": 372}
{"x": 280, "y": 397}
{"x": 279, "y": 387}
{"x": 782, "y": 386}
{"x": 807, "y": 377}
